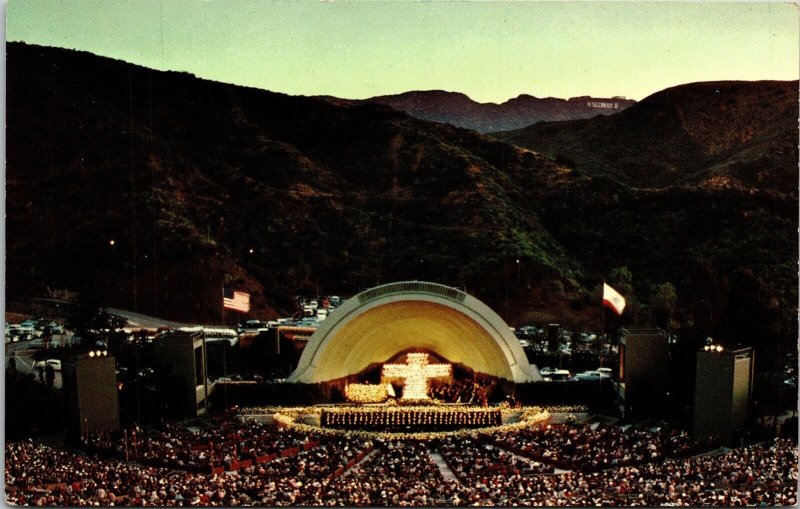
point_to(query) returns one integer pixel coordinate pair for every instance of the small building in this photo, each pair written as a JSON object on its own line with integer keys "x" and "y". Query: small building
{"x": 90, "y": 390}
{"x": 723, "y": 392}
{"x": 643, "y": 373}
{"x": 180, "y": 358}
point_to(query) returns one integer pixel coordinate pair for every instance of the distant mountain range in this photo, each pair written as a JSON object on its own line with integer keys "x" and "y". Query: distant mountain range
{"x": 522, "y": 111}
{"x": 201, "y": 183}
{"x": 719, "y": 134}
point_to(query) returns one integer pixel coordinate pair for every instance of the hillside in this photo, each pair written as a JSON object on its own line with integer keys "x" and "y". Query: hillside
{"x": 715, "y": 135}
{"x": 199, "y": 183}
{"x": 459, "y": 110}
{"x": 188, "y": 176}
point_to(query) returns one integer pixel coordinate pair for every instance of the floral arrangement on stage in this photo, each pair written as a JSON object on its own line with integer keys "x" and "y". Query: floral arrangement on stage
{"x": 367, "y": 393}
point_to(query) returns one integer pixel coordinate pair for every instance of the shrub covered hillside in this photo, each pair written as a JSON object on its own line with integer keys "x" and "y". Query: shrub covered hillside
{"x": 728, "y": 134}
{"x": 199, "y": 182}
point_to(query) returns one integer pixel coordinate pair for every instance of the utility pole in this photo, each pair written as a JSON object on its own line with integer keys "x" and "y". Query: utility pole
{"x": 506, "y": 279}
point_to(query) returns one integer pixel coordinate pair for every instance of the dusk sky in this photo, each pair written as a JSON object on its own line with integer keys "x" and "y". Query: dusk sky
{"x": 491, "y": 51}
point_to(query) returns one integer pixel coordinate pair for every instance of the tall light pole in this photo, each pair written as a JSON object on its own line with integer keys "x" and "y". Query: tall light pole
{"x": 506, "y": 279}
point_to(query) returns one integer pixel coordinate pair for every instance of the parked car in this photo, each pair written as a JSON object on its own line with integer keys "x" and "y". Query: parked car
{"x": 27, "y": 327}
{"x": 309, "y": 321}
{"x": 12, "y": 330}
{"x": 322, "y": 314}
{"x": 251, "y": 325}
{"x": 560, "y": 375}
{"x": 54, "y": 328}
{"x": 55, "y": 363}
{"x": 591, "y": 375}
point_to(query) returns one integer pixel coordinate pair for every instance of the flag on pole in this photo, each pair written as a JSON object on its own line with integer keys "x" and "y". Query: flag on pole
{"x": 238, "y": 301}
{"x": 612, "y": 299}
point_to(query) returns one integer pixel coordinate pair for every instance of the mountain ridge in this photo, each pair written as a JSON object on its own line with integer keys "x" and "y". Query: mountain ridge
{"x": 732, "y": 133}
{"x": 459, "y": 109}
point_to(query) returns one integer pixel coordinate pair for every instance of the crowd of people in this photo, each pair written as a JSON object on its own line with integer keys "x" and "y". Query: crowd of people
{"x": 596, "y": 447}
{"x": 352, "y": 471}
{"x": 399, "y": 474}
{"x": 468, "y": 458}
{"x": 428, "y": 418}
{"x": 202, "y": 450}
{"x": 299, "y": 480}
{"x": 462, "y": 390}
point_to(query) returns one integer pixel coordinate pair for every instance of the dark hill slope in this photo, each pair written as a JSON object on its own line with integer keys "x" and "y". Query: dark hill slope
{"x": 458, "y": 109}
{"x": 717, "y": 134}
{"x": 187, "y": 176}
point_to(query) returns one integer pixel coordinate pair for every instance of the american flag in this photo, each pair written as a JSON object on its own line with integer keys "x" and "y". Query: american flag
{"x": 238, "y": 301}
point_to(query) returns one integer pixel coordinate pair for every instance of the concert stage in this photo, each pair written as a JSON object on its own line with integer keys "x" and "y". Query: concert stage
{"x": 400, "y": 422}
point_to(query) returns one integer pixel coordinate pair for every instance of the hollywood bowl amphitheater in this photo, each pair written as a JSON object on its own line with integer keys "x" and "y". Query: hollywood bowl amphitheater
{"x": 407, "y": 371}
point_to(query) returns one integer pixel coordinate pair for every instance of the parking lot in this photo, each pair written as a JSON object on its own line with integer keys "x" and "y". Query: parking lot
{"x": 23, "y": 354}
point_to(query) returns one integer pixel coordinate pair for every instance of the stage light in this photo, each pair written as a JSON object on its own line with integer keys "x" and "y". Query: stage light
{"x": 91, "y": 354}
{"x": 719, "y": 348}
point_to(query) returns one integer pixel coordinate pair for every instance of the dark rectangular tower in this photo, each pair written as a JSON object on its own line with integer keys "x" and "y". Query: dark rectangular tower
{"x": 90, "y": 389}
{"x": 182, "y": 364}
{"x": 723, "y": 392}
{"x": 644, "y": 372}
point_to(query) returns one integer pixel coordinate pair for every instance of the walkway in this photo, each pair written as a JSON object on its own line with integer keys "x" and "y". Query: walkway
{"x": 354, "y": 467}
{"x": 443, "y": 467}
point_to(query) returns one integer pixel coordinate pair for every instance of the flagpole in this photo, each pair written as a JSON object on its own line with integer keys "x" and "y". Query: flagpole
{"x": 602, "y": 327}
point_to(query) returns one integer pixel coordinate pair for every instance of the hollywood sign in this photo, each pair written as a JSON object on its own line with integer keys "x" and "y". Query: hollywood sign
{"x": 603, "y": 105}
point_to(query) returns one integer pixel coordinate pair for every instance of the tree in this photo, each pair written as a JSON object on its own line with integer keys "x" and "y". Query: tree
{"x": 622, "y": 280}
{"x": 663, "y": 302}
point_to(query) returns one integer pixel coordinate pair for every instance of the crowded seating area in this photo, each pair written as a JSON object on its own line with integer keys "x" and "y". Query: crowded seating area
{"x": 596, "y": 447}
{"x": 219, "y": 447}
{"x": 468, "y": 458}
{"x": 317, "y": 463}
{"x": 542, "y": 464}
{"x": 298, "y": 480}
{"x": 398, "y": 474}
{"x": 698, "y": 481}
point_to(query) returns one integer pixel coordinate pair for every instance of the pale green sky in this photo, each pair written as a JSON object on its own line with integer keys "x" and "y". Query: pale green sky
{"x": 489, "y": 50}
